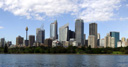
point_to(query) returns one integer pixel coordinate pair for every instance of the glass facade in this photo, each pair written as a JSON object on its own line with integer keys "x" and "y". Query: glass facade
{"x": 40, "y": 36}
{"x": 63, "y": 33}
{"x": 116, "y": 35}
{"x": 53, "y": 30}
{"x": 79, "y": 32}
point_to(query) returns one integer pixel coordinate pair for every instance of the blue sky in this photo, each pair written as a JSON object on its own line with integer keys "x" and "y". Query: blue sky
{"x": 17, "y": 14}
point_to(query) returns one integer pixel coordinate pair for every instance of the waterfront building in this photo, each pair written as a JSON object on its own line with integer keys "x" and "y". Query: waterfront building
{"x": 53, "y": 30}
{"x": 123, "y": 39}
{"x": 93, "y": 31}
{"x": 56, "y": 43}
{"x": 31, "y": 40}
{"x": 40, "y": 35}
{"x": 119, "y": 44}
{"x": 79, "y": 32}
{"x": 2, "y": 42}
{"x": 64, "y": 33}
{"x": 102, "y": 42}
{"x": 112, "y": 42}
{"x": 92, "y": 41}
{"x": 19, "y": 41}
{"x": 71, "y": 34}
{"x": 65, "y": 43}
{"x": 48, "y": 42}
{"x": 98, "y": 39}
{"x": 86, "y": 43}
{"x": 116, "y": 35}
{"x": 9, "y": 43}
{"x": 109, "y": 41}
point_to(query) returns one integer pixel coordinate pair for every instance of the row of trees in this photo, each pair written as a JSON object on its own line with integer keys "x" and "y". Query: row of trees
{"x": 68, "y": 50}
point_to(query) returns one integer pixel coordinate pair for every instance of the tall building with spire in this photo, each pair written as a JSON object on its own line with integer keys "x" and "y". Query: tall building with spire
{"x": 40, "y": 34}
{"x": 26, "y": 41}
{"x": 79, "y": 32}
{"x": 53, "y": 30}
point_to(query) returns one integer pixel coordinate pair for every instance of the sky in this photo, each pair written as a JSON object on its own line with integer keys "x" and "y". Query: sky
{"x": 16, "y": 15}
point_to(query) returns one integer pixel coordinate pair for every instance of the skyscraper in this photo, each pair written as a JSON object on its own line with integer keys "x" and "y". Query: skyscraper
{"x": 109, "y": 41}
{"x": 98, "y": 39}
{"x": 116, "y": 35}
{"x": 64, "y": 33}
{"x": 31, "y": 40}
{"x": 53, "y": 30}
{"x": 48, "y": 42}
{"x": 19, "y": 40}
{"x": 93, "y": 31}
{"x": 71, "y": 34}
{"x": 91, "y": 41}
{"x": 2, "y": 42}
{"x": 40, "y": 36}
{"x": 123, "y": 39}
{"x": 102, "y": 42}
{"x": 79, "y": 32}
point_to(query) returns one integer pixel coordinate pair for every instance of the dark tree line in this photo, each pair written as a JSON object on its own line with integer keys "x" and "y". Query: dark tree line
{"x": 68, "y": 50}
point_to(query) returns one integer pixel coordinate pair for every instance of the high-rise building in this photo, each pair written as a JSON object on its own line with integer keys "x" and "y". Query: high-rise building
{"x": 116, "y": 35}
{"x": 127, "y": 42}
{"x": 93, "y": 31}
{"x": 124, "y": 43}
{"x": 84, "y": 39}
{"x": 98, "y": 39}
{"x": 31, "y": 40}
{"x": 53, "y": 30}
{"x": 98, "y": 36}
{"x": 2, "y": 42}
{"x": 48, "y": 42}
{"x": 92, "y": 41}
{"x": 64, "y": 33}
{"x": 71, "y": 34}
{"x": 119, "y": 43}
{"x": 102, "y": 42}
{"x": 79, "y": 32}
{"x": 19, "y": 40}
{"x": 123, "y": 39}
{"x": 112, "y": 42}
{"x": 40, "y": 35}
{"x": 109, "y": 41}
{"x": 9, "y": 43}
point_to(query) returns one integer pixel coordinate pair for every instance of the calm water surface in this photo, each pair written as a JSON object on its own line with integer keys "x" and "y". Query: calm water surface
{"x": 49, "y": 60}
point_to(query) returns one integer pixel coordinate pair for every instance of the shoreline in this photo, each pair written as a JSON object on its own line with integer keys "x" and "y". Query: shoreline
{"x": 61, "y": 54}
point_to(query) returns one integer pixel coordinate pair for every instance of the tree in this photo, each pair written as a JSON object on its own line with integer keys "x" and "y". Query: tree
{"x": 6, "y": 49}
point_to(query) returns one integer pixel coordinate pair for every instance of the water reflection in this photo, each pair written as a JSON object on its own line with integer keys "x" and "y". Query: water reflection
{"x": 49, "y": 60}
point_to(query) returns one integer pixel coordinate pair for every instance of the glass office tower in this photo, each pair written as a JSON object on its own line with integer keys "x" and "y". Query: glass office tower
{"x": 79, "y": 32}
{"x": 53, "y": 30}
{"x": 116, "y": 35}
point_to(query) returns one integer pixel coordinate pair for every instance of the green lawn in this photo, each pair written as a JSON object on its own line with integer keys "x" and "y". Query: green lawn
{"x": 117, "y": 52}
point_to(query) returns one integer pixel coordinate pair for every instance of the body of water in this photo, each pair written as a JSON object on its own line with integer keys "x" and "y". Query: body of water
{"x": 62, "y": 60}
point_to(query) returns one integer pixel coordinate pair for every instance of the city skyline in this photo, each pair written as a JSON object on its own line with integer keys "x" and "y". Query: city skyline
{"x": 12, "y": 25}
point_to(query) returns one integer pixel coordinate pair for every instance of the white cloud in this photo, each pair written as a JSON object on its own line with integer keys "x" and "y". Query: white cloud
{"x": 126, "y": 5}
{"x": 123, "y": 18}
{"x": 1, "y": 27}
{"x": 89, "y": 10}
